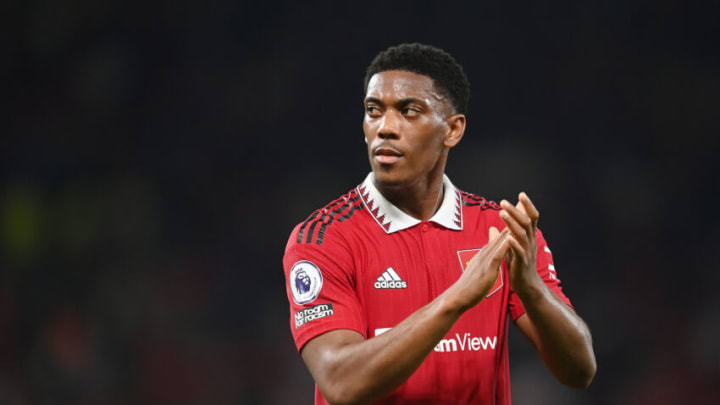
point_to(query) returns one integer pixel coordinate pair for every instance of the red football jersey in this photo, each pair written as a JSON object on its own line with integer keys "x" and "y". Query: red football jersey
{"x": 360, "y": 263}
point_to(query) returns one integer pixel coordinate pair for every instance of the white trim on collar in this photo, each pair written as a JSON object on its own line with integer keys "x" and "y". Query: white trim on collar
{"x": 392, "y": 219}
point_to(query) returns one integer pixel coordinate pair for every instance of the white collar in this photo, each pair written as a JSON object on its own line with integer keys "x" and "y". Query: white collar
{"x": 392, "y": 219}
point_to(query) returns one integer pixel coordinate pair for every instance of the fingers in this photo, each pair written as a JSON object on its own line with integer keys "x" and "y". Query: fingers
{"x": 517, "y": 230}
{"x": 529, "y": 208}
{"x": 516, "y": 250}
{"x": 497, "y": 243}
{"x": 518, "y": 223}
{"x": 497, "y": 248}
{"x": 496, "y": 240}
{"x": 515, "y": 213}
{"x": 493, "y": 233}
{"x": 521, "y": 220}
{"x": 524, "y": 213}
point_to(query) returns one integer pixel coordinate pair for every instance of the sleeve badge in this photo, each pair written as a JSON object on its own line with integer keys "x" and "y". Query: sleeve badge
{"x": 305, "y": 282}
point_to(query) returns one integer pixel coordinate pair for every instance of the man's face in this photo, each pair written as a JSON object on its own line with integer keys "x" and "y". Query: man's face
{"x": 302, "y": 276}
{"x": 405, "y": 126}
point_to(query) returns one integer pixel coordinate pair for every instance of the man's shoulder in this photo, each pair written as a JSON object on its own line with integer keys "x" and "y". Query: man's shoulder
{"x": 338, "y": 213}
{"x": 475, "y": 202}
{"x": 479, "y": 212}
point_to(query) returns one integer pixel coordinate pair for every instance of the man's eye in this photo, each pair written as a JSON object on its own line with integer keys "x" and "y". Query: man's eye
{"x": 411, "y": 111}
{"x": 372, "y": 110}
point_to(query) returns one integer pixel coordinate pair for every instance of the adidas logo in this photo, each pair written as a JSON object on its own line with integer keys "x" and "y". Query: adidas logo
{"x": 390, "y": 279}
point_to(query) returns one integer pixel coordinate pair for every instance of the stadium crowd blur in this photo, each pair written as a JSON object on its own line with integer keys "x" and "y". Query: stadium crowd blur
{"x": 155, "y": 159}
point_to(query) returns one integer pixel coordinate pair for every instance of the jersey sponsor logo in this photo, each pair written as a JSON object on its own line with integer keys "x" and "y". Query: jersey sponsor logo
{"x": 305, "y": 282}
{"x": 466, "y": 342}
{"x": 318, "y": 311}
{"x": 389, "y": 280}
{"x": 466, "y": 255}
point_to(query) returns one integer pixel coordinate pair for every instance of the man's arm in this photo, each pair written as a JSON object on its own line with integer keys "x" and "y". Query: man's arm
{"x": 349, "y": 369}
{"x": 559, "y": 335}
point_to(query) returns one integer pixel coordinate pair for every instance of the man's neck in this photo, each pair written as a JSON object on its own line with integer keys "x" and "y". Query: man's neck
{"x": 420, "y": 199}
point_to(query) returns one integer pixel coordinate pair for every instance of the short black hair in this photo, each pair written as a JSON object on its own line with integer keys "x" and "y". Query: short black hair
{"x": 447, "y": 75}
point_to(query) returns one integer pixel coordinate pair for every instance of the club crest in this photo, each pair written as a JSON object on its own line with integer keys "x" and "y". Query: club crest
{"x": 466, "y": 255}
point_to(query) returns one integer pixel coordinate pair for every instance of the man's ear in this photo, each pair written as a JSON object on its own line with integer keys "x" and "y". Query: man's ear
{"x": 456, "y": 130}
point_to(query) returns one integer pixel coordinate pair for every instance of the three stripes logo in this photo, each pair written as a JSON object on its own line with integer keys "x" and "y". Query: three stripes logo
{"x": 390, "y": 280}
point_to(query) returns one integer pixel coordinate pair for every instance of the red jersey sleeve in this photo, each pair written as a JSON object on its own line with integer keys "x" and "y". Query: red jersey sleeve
{"x": 547, "y": 272}
{"x": 320, "y": 285}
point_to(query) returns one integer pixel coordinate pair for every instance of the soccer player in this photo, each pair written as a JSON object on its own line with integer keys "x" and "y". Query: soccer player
{"x": 400, "y": 290}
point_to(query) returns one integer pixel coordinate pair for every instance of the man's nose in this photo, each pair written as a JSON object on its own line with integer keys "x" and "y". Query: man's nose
{"x": 390, "y": 125}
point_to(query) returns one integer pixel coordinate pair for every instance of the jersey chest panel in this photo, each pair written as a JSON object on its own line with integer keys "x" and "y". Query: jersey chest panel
{"x": 426, "y": 260}
{"x": 399, "y": 273}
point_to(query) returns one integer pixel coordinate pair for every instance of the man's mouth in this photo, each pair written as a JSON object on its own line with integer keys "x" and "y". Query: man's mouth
{"x": 386, "y": 155}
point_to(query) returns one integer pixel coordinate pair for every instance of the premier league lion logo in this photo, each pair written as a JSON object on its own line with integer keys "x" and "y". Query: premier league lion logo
{"x": 302, "y": 282}
{"x": 305, "y": 282}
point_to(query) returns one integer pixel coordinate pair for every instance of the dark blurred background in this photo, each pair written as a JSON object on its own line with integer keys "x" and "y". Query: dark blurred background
{"x": 155, "y": 157}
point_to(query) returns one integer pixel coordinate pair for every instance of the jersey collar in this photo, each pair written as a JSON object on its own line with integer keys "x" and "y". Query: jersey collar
{"x": 392, "y": 219}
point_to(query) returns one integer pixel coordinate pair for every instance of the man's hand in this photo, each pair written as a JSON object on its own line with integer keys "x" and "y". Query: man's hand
{"x": 559, "y": 335}
{"x": 522, "y": 221}
{"x": 482, "y": 271}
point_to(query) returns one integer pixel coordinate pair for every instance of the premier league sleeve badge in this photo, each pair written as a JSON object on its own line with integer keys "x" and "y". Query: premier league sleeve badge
{"x": 305, "y": 282}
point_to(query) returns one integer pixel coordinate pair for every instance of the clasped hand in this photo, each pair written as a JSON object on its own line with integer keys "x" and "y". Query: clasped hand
{"x": 516, "y": 244}
{"x": 521, "y": 220}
